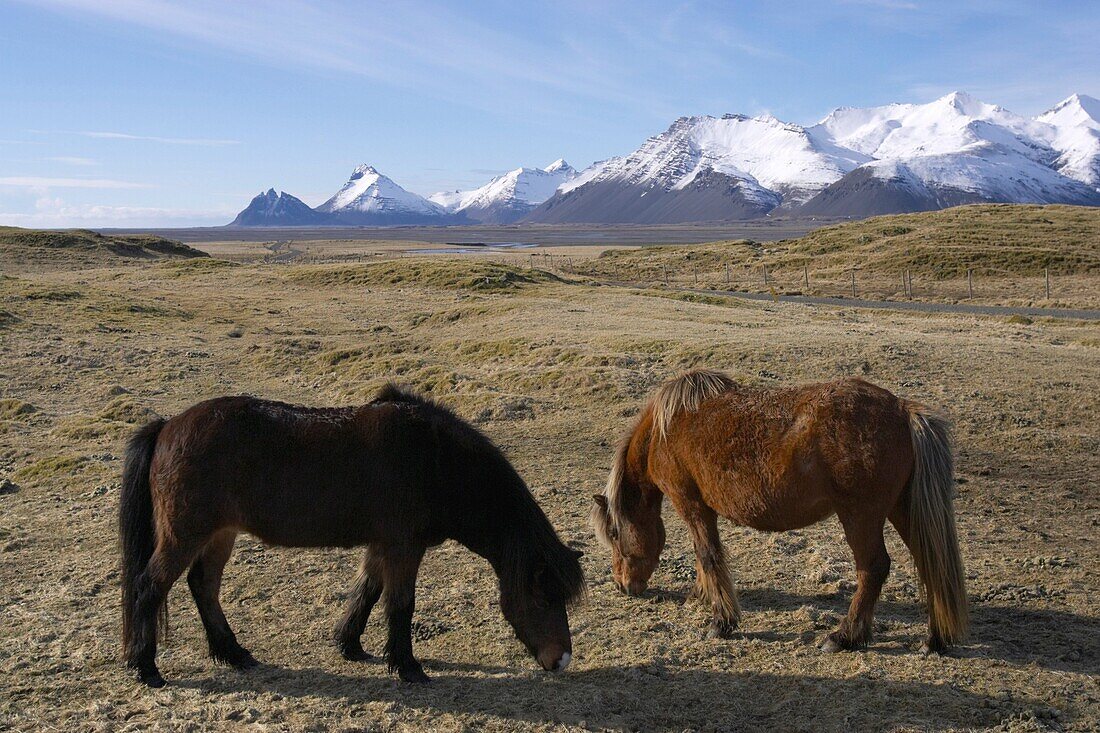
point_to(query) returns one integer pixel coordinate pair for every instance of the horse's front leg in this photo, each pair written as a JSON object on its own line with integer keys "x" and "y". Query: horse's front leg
{"x": 713, "y": 584}
{"x": 399, "y": 590}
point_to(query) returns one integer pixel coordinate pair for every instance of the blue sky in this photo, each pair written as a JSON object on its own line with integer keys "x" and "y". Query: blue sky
{"x": 163, "y": 113}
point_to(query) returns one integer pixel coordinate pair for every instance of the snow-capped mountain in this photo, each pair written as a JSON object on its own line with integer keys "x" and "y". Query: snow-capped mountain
{"x": 372, "y": 198}
{"x": 509, "y": 197}
{"x": 953, "y": 150}
{"x": 855, "y": 162}
{"x": 282, "y": 209}
{"x": 367, "y": 199}
{"x": 1076, "y": 137}
{"x": 705, "y": 168}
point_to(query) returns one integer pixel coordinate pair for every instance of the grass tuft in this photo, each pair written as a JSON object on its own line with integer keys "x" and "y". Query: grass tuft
{"x": 449, "y": 273}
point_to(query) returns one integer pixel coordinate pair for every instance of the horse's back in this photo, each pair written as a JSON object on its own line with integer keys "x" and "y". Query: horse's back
{"x": 778, "y": 459}
{"x": 863, "y": 434}
{"x": 293, "y": 475}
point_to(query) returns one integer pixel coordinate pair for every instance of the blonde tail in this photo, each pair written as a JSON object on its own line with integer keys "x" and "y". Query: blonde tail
{"x": 932, "y": 536}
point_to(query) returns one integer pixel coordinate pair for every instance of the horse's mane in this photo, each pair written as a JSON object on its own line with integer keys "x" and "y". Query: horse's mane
{"x": 685, "y": 393}
{"x": 605, "y": 515}
{"x": 540, "y": 549}
{"x": 536, "y": 545}
{"x": 392, "y": 392}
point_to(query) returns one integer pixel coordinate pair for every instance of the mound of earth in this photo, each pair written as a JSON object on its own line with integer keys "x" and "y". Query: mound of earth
{"x": 35, "y": 248}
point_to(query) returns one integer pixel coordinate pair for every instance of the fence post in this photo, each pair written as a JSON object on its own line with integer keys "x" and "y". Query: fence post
{"x": 1046, "y": 272}
{"x": 970, "y": 283}
{"x": 695, "y": 272}
{"x": 806, "y": 275}
{"x": 909, "y": 278}
{"x": 727, "y": 273}
{"x": 853, "y": 283}
{"x": 664, "y": 271}
{"x": 765, "y": 274}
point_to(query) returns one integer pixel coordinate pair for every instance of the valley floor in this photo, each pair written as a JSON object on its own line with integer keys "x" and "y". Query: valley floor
{"x": 553, "y": 371}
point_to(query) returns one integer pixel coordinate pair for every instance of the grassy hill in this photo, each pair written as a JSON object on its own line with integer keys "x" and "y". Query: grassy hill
{"x": 31, "y": 248}
{"x": 990, "y": 238}
{"x": 1016, "y": 238}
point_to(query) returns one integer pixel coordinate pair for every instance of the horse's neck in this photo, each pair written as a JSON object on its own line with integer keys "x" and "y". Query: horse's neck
{"x": 502, "y": 551}
{"x": 489, "y": 530}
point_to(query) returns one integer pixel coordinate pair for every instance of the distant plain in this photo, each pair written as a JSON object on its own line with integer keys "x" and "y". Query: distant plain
{"x": 553, "y": 366}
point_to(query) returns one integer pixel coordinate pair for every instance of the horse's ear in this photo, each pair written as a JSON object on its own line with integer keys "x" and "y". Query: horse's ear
{"x": 601, "y": 500}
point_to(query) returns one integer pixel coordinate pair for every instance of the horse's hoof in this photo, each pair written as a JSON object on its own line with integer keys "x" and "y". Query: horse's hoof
{"x": 245, "y": 662}
{"x": 720, "y": 629}
{"x": 237, "y": 658}
{"x": 151, "y": 679}
{"x": 831, "y": 646}
{"x": 413, "y": 674}
{"x": 928, "y": 649}
{"x": 355, "y": 654}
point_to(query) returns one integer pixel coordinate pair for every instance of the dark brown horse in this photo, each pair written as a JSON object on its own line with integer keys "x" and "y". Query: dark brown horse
{"x": 784, "y": 459}
{"x": 397, "y": 475}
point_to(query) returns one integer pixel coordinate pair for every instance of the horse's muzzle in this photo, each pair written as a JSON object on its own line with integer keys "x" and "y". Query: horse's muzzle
{"x": 555, "y": 659}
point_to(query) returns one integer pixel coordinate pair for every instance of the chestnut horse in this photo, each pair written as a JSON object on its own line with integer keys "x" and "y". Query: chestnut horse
{"x": 782, "y": 459}
{"x": 398, "y": 475}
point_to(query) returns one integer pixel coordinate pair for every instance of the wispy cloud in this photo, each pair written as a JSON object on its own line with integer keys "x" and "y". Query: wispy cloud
{"x": 440, "y": 50}
{"x": 41, "y": 182}
{"x": 157, "y": 139}
{"x": 72, "y": 160}
{"x": 886, "y": 4}
{"x": 56, "y": 212}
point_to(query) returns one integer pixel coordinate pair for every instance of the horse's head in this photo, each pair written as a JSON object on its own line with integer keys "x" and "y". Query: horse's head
{"x": 535, "y": 604}
{"x": 636, "y": 536}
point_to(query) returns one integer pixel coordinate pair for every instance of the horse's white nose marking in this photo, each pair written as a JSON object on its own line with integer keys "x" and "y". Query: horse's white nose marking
{"x": 563, "y": 662}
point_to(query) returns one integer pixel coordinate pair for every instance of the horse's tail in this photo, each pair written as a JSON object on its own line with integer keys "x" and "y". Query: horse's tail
{"x": 932, "y": 536}
{"x": 685, "y": 393}
{"x": 135, "y": 522}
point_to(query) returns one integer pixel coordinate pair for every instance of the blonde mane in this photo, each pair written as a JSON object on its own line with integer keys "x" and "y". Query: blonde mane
{"x": 685, "y": 393}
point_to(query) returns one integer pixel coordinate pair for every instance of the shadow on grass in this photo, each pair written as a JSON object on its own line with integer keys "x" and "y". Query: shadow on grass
{"x": 644, "y": 698}
{"x": 1050, "y": 638}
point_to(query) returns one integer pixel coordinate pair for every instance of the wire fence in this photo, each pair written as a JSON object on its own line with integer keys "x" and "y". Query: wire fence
{"x": 976, "y": 283}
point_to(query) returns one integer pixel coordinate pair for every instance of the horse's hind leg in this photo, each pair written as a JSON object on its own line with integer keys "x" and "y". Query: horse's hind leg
{"x": 205, "y": 580}
{"x": 364, "y": 594}
{"x": 713, "y": 584}
{"x": 899, "y": 517}
{"x": 167, "y": 563}
{"x": 399, "y": 570}
{"x": 864, "y": 535}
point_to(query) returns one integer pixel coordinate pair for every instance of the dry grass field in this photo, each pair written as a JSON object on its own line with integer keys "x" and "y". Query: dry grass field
{"x": 552, "y": 368}
{"x": 1009, "y": 250}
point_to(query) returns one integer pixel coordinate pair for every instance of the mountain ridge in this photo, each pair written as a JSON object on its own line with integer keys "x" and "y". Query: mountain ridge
{"x": 854, "y": 162}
